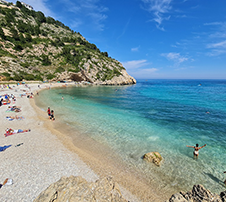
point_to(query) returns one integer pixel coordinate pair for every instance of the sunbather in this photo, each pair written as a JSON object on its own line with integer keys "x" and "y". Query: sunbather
{"x": 14, "y": 117}
{"x": 10, "y": 131}
{"x": 14, "y": 108}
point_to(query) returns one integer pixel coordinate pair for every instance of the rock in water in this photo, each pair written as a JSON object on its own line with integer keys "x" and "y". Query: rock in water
{"x": 154, "y": 157}
{"x": 71, "y": 189}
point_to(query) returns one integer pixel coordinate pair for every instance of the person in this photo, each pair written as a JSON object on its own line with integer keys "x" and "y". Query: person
{"x": 225, "y": 180}
{"x": 197, "y": 148}
{"x": 48, "y": 111}
{"x": 52, "y": 115}
{"x": 10, "y": 131}
{"x": 1, "y": 102}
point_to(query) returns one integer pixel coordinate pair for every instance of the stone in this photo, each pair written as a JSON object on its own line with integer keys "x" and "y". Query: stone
{"x": 71, "y": 189}
{"x": 198, "y": 194}
{"x": 154, "y": 157}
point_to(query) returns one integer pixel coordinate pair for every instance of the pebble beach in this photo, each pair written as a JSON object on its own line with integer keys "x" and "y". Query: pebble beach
{"x": 34, "y": 160}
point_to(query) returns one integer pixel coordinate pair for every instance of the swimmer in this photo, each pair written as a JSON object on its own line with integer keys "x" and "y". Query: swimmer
{"x": 197, "y": 148}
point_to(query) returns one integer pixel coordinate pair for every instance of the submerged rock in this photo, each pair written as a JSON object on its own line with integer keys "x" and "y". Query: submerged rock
{"x": 198, "y": 194}
{"x": 71, "y": 189}
{"x": 154, "y": 157}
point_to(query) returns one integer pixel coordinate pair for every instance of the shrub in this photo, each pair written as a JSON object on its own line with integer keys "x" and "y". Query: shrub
{"x": 59, "y": 70}
{"x": 50, "y": 76}
{"x": 45, "y": 60}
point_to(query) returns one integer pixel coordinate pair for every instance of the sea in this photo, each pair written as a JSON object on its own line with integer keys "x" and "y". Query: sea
{"x": 153, "y": 115}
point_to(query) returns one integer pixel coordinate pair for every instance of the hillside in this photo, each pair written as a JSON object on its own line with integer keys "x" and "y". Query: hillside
{"x": 35, "y": 47}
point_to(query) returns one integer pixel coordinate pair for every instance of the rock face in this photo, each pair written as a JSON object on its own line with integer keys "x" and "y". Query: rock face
{"x": 123, "y": 79}
{"x": 71, "y": 189}
{"x": 198, "y": 194}
{"x": 153, "y": 157}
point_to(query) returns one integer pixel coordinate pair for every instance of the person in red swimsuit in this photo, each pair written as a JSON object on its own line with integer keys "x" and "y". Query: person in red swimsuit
{"x": 48, "y": 111}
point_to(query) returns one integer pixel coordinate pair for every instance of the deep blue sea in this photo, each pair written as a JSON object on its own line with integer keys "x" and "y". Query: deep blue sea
{"x": 154, "y": 115}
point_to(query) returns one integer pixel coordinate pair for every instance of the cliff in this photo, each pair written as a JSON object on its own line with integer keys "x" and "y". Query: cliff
{"x": 35, "y": 47}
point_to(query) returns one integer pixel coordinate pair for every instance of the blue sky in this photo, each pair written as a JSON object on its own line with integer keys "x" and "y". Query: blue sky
{"x": 153, "y": 39}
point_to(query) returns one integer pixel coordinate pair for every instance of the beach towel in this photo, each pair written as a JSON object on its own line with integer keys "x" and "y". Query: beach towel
{"x": 4, "y": 148}
{"x": 9, "y": 118}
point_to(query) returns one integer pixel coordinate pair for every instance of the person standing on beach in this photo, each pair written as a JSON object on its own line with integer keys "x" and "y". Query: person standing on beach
{"x": 52, "y": 115}
{"x": 48, "y": 111}
{"x": 197, "y": 148}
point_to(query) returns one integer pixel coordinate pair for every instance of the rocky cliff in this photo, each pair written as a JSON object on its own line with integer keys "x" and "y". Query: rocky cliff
{"x": 35, "y": 47}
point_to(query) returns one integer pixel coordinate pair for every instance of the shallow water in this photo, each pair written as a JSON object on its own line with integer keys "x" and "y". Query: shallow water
{"x": 153, "y": 115}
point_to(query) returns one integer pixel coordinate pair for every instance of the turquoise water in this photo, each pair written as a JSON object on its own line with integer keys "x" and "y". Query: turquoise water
{"x": 154, "y": 115}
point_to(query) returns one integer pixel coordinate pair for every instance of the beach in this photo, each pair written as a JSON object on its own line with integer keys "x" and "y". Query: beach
{"x": 100, "y": 132}
{"x": 36, "y": 159}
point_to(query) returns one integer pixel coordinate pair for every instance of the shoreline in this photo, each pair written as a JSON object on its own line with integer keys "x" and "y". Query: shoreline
{"x": 38, "y": 163}
{"x": 105, "y": 162}
{"x": 35, "y": 163}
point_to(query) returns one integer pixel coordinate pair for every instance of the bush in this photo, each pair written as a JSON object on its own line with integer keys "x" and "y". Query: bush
{"x": 50, "y": 76}
{"x": 29, "y": 77}
{"x": 18, "y": 47}
{"x": 17, "y": 77}
{"x": 59, "y": 70}
{"x": 45, "y": 60}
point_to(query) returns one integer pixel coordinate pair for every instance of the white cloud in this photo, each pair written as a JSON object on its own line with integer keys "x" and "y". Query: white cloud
{"x": 158, "y": 8}
{"x": 135, "y": 49}
{"x": 138, "y": 69}
{"x": 176, "y": 57}
{"x": 219, "y": 47}
{"x": 134, "y": 64}
{"x": 89, "y": 12}
{"x": 221, "y": 44}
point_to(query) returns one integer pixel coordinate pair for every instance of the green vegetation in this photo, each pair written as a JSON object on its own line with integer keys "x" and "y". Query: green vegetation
{"x": 43, "y": 47}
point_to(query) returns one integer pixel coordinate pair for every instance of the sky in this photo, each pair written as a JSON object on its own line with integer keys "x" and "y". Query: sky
{"x": 153, "y": 39}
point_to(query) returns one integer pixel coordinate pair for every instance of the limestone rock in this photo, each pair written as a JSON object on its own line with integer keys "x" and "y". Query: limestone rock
{"x": 154, "y": 157}
{"x": 71, "y": 189}
{"x": 198, "y": 194}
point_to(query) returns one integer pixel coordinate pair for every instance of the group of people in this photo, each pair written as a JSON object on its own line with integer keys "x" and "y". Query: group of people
{"x": 50, "y": 114}
{"x": 5, "y": 99}
{"x": 5, "y": 86}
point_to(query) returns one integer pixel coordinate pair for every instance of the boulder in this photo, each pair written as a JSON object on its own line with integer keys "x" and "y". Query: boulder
{"x": 198, "y": 194}
{"x": 154, "y": 157}
{"x": 71, "y": 189}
